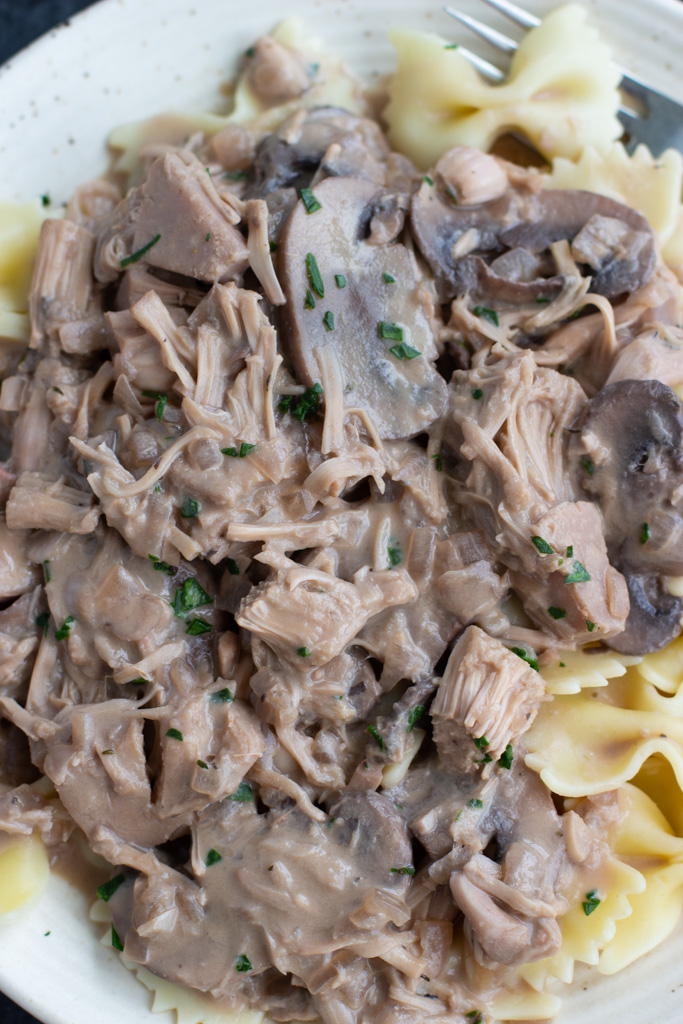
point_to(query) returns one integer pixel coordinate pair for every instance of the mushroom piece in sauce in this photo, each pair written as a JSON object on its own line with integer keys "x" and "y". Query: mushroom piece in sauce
{"x": 364, "y": 300}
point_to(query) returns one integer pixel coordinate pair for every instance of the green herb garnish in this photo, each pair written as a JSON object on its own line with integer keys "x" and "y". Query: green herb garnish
{"x": 557, "y": 613}
{"x": 310, "y": 202}
{"x": 402, "y": 871}
{"x": 328, "y": 321}
{"x": 314, "y": 275}
{"x": 480, "y": 742}
{"x": 240, "y": 453}
{"x": 644, "y": 533}
{"x": 388, "y": 278}
{"x": 307, "y": 404}
{"x": 414, "y": 716}
{"x": 340, "y": 280}
{"x": 404, "y": 351}
{"x": 477, "y": 394}
{"x": 221, "y": 696}
{"x": 588, "y": 464}
{"x": 188, "y": 597}
{"x": 590, "y": 626}
{"x": 542, "y": 300}
{"x": 198, "y": 626}
{"x": 160, "y": 566}
{"x": 116, "y": 940}
{"x": 190, "y": 508}
{"x": 304, "y": 652}
{"x": 579, "y": 574}
{"x": 309, "y": 302}
{"x": 392, "y": 332}
{"x": 542, "y": 545}
{"x": 175, "y": 734}
{"x": 235, "y": 175}
{"x": 233, "y": 567}
{"x": 506, "y": 758}
{"x": 46, "y": 570}
{"x": 63, "y": 633}
{"x": 243, "y": 963}
{"x": 428, "y": 180}
{"x": 134, "y": 257}
{"x": 570, "y": 551}
{"x": 202, "y": 764}
{"x": 243, "y": 794}
{"x": 591, "y": 902}
{"x": 528, "y": 658}
{"x": 42, "y": 621}
{"x": 376, "y": 735}
{"x": 212, "y": 857}
{"x": 484, "y": 313}
{"x": 107, "y": 889}
{"x": 395, "y": 555}
{"x": 475, "y": 802}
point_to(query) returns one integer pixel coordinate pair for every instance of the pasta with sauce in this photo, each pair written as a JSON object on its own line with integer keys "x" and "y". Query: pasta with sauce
{"x": 336, "y": 612}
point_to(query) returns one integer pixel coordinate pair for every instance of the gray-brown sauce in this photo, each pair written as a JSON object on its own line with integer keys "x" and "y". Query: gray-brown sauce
{"x": 309, "y": 464}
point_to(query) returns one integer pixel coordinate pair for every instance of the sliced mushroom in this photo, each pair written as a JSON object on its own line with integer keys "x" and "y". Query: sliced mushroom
{"x": 371, "y": 310}
{"x": 629, "y": 457}
{"x": 618, "y": 245}
{"x": 654, "y": 620}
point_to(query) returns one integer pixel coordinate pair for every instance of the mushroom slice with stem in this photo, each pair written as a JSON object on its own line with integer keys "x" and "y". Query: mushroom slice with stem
{"x": 612, "y": 240}
{"x": 344, "y": 289}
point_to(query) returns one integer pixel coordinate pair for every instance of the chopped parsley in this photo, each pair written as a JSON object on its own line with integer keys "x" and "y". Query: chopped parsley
{"x": 591, "y": 902}
{"x": 590, "y": 626}
{"x": 451, "y": 46}
{"x": 188, "y": 597}
{"x": 392, "y": 332}
{"x": 198, "y": 626}
{"x": 588, "y": 464}
{"x": 644, "y": 533}
{"x": 63, "y": 633}
{"x": 506, "y": 758}
{"x": 160, "y": 566}
{"x": 116, "y": 940}
{"x": 273, "y": 246}
{"x": 542, "y": 545}
{"x": 233, "y": 567}
{"x": 175, "y": 734}
{"x": 134, "y": 257}
{"x": 340, "y": 280}
{"x": 484, "y": 313}
{"x": 480, "y": 742}
{"x": 208, "y": 236}
{"x": 404, "y": 351}
{"x": 570, "y": 551}
{"x": 202, "y": 764}
{"x": 309, "y": 301}
{"x": 477, "y": 394}
{"x": 107, "y": 889}
{"x": 403, "y": 871}
{"x": 486, "y": 759}
{"x": 474, "y": 1017}
{"x": 221, "y": 696}
{"x": 328, "y": 321}
{"x": 376, "y": 735}
{"x": 240, "y": 453}
{"x": 304, "y": 652}
{"x": 579, "y": 574}
{"x": 542, "y": 300}
{"x": 310, "y": 202}
{"x": 42, "y": 621}
{"x": 395, "y": 555}
{"x": 212, "y": 857}
{"x": 314, "y": 275}
{"x": 45, "y": 199}
{"x": 414, "y": 716}
{"x": 46, "y": 570}
{"x": 307, "y": 404}
{"x": 438, "y": 462}
{"x": 242, "y": 794}
{"x": 388, "y": 278}
{"x": 235, "y": 175}
{"x": 190, "y": 508}
{"x": 428, "y": 180}
{"x": 525, "y": 656}
{"x": 557, "y": 613}
{"x": 475, "y": 802}
{"x": 137, "y": 682}
{"x": 243, "y": 963}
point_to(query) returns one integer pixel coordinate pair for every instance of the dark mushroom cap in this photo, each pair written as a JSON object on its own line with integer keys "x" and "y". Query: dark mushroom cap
{"x": 654, "y": 619}
{"x": 629, "y": 457}
{"x": 619, "y": 259}
{"x": 369, "y": 316}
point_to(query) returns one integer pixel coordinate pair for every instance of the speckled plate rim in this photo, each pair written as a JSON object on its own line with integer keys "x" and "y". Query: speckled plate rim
{"x": 122, "y": 60}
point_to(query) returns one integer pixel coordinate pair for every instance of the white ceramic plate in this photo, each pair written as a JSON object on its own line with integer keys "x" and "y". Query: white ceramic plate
{"x": 124, "y": 60}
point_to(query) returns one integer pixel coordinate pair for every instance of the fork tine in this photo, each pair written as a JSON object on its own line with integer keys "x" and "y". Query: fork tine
{"x": 489, "y": 71}
{"x": 495, "y": 38}
{"x": 514, "y": 13}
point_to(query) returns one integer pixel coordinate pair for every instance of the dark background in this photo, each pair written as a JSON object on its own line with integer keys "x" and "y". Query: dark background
{"x": 23, "y": 21}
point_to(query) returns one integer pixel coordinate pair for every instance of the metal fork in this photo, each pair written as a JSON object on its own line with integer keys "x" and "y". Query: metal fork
{"x": 652, "y": 118}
